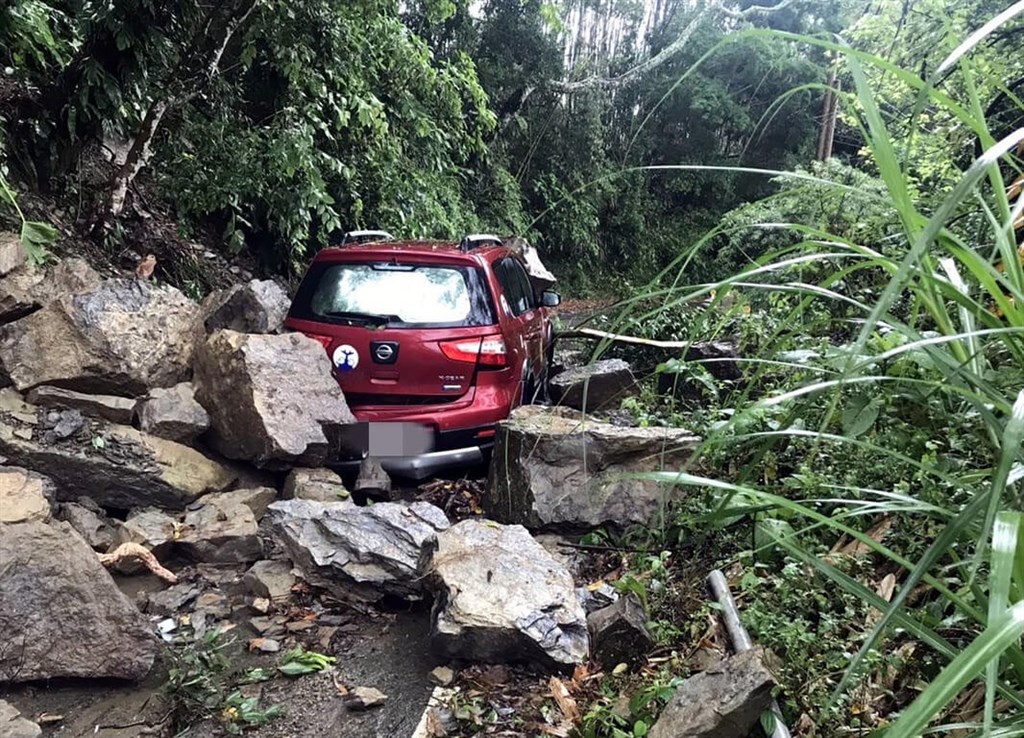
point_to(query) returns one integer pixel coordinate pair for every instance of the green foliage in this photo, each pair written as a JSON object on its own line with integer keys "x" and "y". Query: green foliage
{"x": 35, "y": 235}
{"x": 299, "y": 662}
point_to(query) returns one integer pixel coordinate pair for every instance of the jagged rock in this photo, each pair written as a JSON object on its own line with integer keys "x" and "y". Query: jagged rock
{"x": 256, "y": 499}
{"x": 109, "y": 407}
{"x": 361, "y": 553}
{"x": 27, "y": 289}
{"x": 724, "y": 701}
{"x": 363, "y": 698}
{"x": 600, "y": 385}
{"x": 154, "y": 529}
{"x": 618, "y": 633}
{"x": 323, "y": 485}
{"x": 13, "y": 725}
{"x": 501, "y": 597}
{"x": 259, "y": 306}
{"x": 373, "y": 480}
{"x": 61, "y": 613}
{"x": 221, "y": 530}
{"x": 270, "y": 579}
{"x": 12, "y": 253}
{"x": 172, "y": 600}
{"x": 271, "y": 399}
{"x": 24, "y": 495}
{"x": 88, "y": 520}
{"x": 121, "y": 337}
{"x": 553, "y": 467}
{"x": 117, "y": 466}
{"x": 173, "y": 413}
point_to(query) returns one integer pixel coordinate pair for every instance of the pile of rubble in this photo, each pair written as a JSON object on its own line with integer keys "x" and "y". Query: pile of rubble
{"x": 141, "y": 430}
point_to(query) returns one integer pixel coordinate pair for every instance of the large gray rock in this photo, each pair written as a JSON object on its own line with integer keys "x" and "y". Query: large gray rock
{"x": 117, "y": 466}
{"x": 89, "y": 521}
{"x": 24, "y": 495}
{"x": 322, "y": 485}
{"x": 724, "y": 701}
{"x": 358, "y": 553}
{"x": 121, "y": 337}
{"x": 597, "y": 386}
{"x": 258, "y": 306}
{"x": 61, "y": 613}
{"x": 173, "y": 413}
{"x": 500, "y": 596}
{"x": 272, "y": 399}
{"x": 553, "y": 467}
{"x": 13, "y": 725}
{"x": 222, "y": 530}
{"x": 109, "y": 407}
{"x": 26, "y": 289}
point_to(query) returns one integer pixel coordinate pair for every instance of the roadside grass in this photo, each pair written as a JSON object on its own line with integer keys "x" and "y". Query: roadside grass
{"x": 882, "y": 414}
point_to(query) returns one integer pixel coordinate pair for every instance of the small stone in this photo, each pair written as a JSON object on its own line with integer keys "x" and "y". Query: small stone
{"x": 322, "y": 485}
{"x": 152, "y": 528}
{"x": 272, "y": 580}
{"x": 24, "y": 434}
{"x": 221, "y": 530}
{"x": 443, "y": 675}
{"x": 373, "y": 480}
{"x": 618, "y": 633}
{"x": 13, "y": 725}
{"x": 68, "y": 424}
{"x": 172, "y": 600}
{"x": 363, "y": 698}
{"x": 297, "y": 626}
{"x": 261, "y": 605}
{"x": 173, "y": 413}
{"x": 266, "y": 645}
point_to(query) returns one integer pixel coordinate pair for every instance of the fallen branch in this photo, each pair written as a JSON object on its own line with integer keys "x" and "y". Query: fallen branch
{"x": 595, "y": 334}
{"x": 136, "y": 551}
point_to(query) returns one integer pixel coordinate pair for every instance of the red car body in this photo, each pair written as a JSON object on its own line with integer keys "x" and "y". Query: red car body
{"x": 448, "y": 336}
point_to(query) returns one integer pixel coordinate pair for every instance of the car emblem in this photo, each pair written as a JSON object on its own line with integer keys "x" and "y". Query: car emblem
{"x": 346, "y": 358}
{"x": 384, "y": 352}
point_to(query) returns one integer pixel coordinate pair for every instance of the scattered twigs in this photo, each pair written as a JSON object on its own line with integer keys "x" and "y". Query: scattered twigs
{"x": 740, "y": 638}
{"x": 127, "y": 551}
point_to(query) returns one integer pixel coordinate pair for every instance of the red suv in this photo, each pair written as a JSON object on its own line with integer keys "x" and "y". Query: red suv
{"x": 447, "y": 336}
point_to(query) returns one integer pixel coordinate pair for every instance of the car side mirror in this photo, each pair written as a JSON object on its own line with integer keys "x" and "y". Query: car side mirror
{"x": 550, "y": 299}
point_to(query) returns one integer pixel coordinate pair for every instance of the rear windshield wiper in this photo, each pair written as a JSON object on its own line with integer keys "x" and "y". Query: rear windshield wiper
{"x": 373, "y": 318}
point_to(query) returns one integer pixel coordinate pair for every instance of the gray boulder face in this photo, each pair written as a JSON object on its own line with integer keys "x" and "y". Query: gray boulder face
{"x": 26, "y": 289}
{"x": 358, "y": 553}
{"x": 13, "y": 725}
{"x": 221, "y": 530}
{"x": 618, "y": 633}
{"x": 500, "y": 596}
{"x": 24, "y": 495}
{"x": 259, "y": 306}
{"x": 556, "y": 468}
{"x": 89, "y": 521}
{"x": 724, "y": 701}
{"x": 108, "y": 407}
{"x": 598, "y": 386}
{"x": 272, "y": 399}
{"x": 322, "y": 485}
{"x": 61, "y": 613}
{"x": 173, "y": 413}
{"x": 117, "y": 466}
{"x": 121, "y": 337}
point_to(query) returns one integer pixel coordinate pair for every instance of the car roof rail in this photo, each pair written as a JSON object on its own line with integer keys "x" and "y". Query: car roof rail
{"x": 365, "y": 237}
{"x": 476, "y": 240}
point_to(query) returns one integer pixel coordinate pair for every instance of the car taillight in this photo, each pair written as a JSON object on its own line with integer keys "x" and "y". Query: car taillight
{"x": 487, "y": 351}
{"x": 324, "y": 341}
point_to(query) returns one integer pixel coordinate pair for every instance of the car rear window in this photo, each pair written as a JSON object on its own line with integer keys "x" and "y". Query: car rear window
{"x": 403, "y": 295}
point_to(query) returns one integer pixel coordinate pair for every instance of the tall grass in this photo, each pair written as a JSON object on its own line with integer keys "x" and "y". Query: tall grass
{"x": 941, "y": 296}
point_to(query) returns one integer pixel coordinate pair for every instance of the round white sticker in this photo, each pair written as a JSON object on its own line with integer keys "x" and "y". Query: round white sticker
{"x": 346, "y": 358}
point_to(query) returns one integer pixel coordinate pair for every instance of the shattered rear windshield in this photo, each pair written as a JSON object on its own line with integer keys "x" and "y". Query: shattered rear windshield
{"x": 390, "y": 294}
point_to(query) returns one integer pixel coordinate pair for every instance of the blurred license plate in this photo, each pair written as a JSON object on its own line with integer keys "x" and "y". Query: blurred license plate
{"x": 388, "y": 439}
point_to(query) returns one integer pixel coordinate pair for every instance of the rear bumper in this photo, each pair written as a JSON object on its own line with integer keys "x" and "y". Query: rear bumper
{"x": 426, "y": 465}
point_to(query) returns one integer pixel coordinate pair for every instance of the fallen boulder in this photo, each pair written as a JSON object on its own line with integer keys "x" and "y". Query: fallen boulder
{"x": 322, "y": 485}
{"x": 89, "y": 521}
{"x": 13, "y": 725}
{"x": 173, "y": 413}
{"x": 554, "y": 467}
{"x": 597, "y": 386}
{"x": 115, "y": 465}
{"x": 618, "y": 633}
{"x": 61, "y": 613}
{"x": 724, "y": 701}
{"x": 272, "y": 399}
{"x": 121, "y": 337}
{"x": 361, "y": 553}
{"x": 500, "y": 596}
{"x": 24, "y": 495}
{"x": 26, "y": 289}
{"x": 221, "y": 530}
{"x": 258, "y": 306}
{"x": 108, "y": 407}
